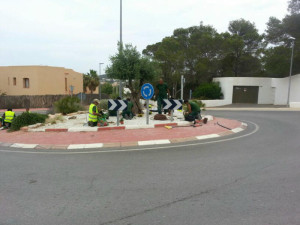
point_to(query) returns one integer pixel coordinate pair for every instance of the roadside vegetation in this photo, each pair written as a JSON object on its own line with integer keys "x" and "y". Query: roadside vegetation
{"x": 68, "y": 105}
{"x": 26, "y": 119}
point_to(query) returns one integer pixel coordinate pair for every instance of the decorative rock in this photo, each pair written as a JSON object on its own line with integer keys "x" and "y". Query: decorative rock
{"x": 35, "y": 125}
{"x": 50, "y": 116}
{"x": 82, "y": 112}
{"x": 71, "y": 114}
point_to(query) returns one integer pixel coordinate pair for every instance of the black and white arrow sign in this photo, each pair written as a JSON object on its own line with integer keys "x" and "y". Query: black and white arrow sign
{"x": 172, "y": 104}
{"x": 116, "y": 105}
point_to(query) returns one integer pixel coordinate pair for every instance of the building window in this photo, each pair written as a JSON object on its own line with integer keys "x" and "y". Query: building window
{"x": 66, "y": 84}
{"x": 26, "y": 82}
{"x": 15, "y": 81}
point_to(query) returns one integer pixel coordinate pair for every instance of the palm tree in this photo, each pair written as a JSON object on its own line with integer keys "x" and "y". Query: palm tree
{"x": 91, "y": 81}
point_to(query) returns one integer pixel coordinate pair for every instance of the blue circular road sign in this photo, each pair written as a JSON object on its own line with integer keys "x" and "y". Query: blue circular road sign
{"x": 147, "y": 91}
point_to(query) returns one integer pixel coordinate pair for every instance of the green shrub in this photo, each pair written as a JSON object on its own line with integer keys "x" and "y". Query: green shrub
{"x": 114, "y": 95}
{"x": 104, "y": 104}
{"x": 208, "y": 91}
{"x": 107, "y": 88}
{"x": 26, "y": 119}
{"x": 68, "y": 105}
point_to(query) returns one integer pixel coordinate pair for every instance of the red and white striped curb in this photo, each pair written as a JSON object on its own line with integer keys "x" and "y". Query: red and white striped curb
{"x": 126, "y": 144}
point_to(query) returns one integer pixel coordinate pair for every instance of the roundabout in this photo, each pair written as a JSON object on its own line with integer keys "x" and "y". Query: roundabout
{"x": 163, "y": 134}
{"x": 249, "y": 177}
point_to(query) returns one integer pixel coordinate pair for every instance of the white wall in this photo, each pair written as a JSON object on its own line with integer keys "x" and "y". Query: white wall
{"x": 265, "y": 93}
{"x": 271, "y": 90}
{"x": 281, "y": 86}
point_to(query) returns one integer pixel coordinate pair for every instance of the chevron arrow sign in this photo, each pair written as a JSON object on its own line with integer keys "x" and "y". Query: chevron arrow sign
{"x": 172, "y": 104}
{"x": 116, "y": 105}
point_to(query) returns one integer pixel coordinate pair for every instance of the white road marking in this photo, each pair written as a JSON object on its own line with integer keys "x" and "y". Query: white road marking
{"x": 236, "y": 130}
{"x": 207, "y": 136}
{"x": 154, "y": 142}
{"x": 96, "y": 145}
{"x": 18, "y": 145}
{"x": 81, "y": 146}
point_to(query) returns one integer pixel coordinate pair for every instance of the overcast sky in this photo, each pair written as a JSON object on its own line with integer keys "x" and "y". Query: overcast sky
{"x": 78, "y": 34}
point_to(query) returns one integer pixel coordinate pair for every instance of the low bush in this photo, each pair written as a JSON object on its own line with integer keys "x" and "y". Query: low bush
{"x": 107, "y": 88}
{"x": 26, "y": 119}
{"x": 114, "y": 95}
{"x": 68, "y": 105}
{"x": 104, "y": 104}
{"x": 208, "y": 91}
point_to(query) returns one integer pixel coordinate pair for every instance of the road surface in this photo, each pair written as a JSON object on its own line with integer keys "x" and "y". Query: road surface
{"x": 251, "y": 178}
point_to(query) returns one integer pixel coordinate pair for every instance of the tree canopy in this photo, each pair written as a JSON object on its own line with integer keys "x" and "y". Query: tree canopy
{"x": 200, "y": 53}
{"x": 130, "y": 66}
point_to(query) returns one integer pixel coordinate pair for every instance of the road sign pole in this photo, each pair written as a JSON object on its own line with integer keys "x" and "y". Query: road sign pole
{"x": 147, "y": 111}
{"x": 118, "y": 118}
{"x": 181, "y": 91}
{"x": 147, "y": 92}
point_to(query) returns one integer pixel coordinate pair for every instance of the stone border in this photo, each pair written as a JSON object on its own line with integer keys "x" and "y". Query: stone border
{"x": 98, "y": 129}
{"x": 126, "y": 144}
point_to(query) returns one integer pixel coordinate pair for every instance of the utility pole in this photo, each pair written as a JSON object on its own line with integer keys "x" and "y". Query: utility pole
{"x": 121, "y": 44}
{"x": 100, "y": 80}
{"x": 291, "y": 70}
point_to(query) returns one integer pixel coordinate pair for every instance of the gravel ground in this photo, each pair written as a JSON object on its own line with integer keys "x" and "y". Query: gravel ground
{"x": 136, "y": 122}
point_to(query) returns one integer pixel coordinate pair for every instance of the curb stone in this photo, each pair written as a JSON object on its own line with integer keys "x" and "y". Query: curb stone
{"x": 99, "y": 129}
{"x": 241, "y": 128}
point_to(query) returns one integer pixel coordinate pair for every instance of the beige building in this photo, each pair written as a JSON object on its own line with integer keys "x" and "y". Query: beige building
{"x": 39, "y": 80}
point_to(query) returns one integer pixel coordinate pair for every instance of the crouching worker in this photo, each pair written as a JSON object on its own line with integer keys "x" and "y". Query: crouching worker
{"x": 94, "y": 113}
{"x": 193, "y": 113}
{"x": 8, "y": 117}
{"x": 128, "y": 113}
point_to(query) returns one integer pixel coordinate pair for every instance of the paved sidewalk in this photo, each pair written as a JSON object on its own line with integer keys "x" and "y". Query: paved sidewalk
{"x": 23, "y": 110}
{"x": 119, "y": 138}
{"x": 252, "y": 107}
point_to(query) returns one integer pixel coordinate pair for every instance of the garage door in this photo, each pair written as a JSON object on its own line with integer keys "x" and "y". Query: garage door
{"x": 245, "y": 94}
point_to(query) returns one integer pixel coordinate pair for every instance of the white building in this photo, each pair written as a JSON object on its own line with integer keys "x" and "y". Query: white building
{"x": 257, "y": 91}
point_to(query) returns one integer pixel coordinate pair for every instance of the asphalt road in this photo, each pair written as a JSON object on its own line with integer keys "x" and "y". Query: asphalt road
{"x": 248, "y": 180}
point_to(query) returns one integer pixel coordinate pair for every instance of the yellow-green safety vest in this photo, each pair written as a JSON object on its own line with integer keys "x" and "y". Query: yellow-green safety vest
{"x": 92, "y": 117}
{"x": 9, "y": 116}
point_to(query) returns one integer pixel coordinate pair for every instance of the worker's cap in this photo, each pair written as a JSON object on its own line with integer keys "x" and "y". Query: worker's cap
{"x": 96, "y": 100}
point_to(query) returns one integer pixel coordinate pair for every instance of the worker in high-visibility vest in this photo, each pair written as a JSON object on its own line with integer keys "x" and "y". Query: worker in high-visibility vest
{"x": 8, "y": 117}
{"x": 94, "y": 113}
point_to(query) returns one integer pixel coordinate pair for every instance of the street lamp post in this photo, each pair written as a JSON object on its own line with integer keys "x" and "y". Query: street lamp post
{"x": 100, "y": 80}
{"x": 291, "y": 70}
{"x": 121, "y": 43}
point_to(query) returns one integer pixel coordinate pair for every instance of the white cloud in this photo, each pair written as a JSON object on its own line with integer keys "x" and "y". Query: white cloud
{"x": 80, "y": 33}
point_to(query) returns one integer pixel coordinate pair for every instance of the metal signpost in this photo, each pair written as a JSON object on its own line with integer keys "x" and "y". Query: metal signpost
{"x": 81, "y": 96}
{"x": 71, "y": 90}
{"x": 182, "y": 83}
{"x": 172, "y": 104}
{"x": 147, "y": 91}
{"x": 117, "y": 105}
